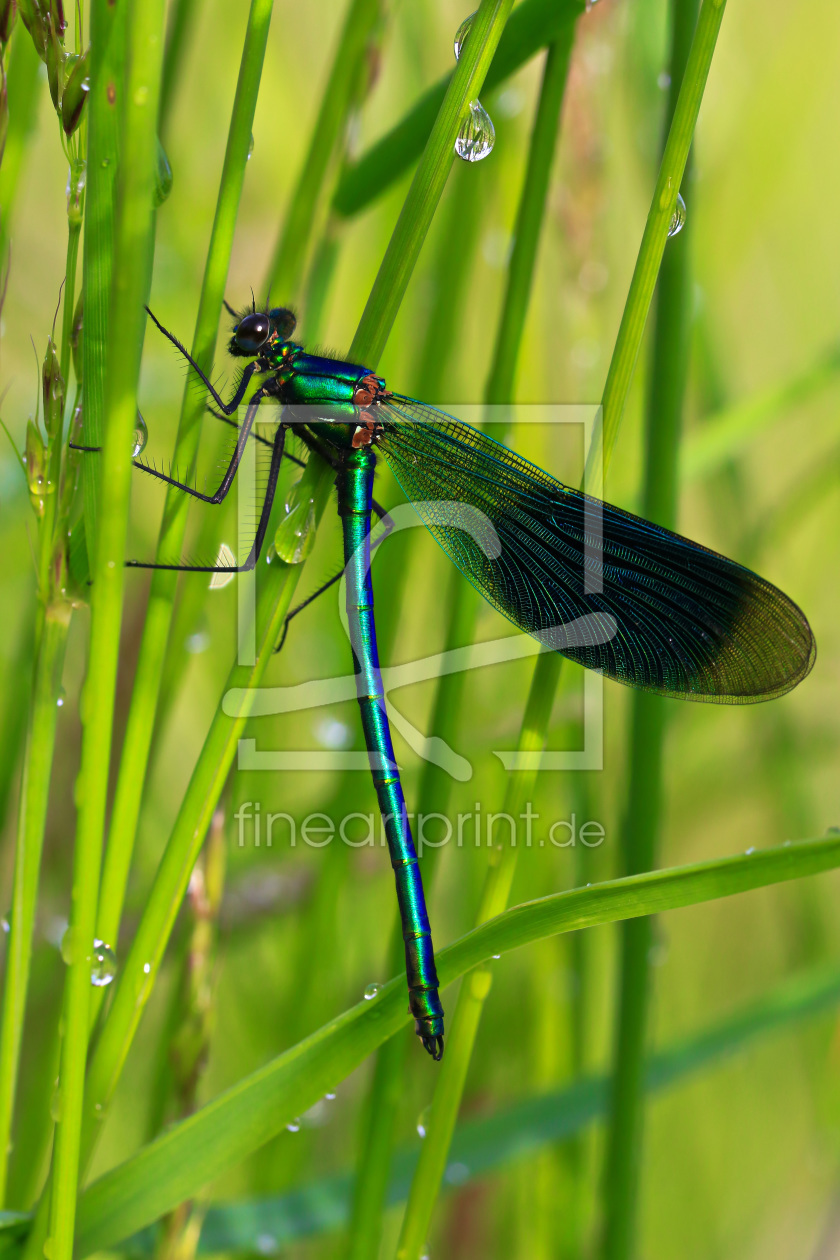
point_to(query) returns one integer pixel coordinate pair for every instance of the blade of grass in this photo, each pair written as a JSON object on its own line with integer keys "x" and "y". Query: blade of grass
{"x": 243, "y": 1118}
{"x": 428, "y": 183}
{"x": 279, "y": 581}
{"x": 533, "y": 25}
{"x": 642, "y": 821}
{"x": 32, "y": 817}
{"x": 23, "y": 89}
{"x": 725, "y": 435}
{"x": 640, "y": 295}
{"x": 149, "y": 673}
{"x": 179, "y": 30}
{"x": 371, "y": 1183}
{"x": 547, "y": 672}
{"x": 515, "y": 1132}
{"x": 133, "y": 245}
{"x": 290, "y": 254}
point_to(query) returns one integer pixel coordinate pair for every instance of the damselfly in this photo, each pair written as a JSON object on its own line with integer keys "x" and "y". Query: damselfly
{"x": 609, "y": 590}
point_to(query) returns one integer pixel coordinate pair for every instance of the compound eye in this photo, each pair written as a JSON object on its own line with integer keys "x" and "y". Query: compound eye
{"x": 252, "y": 333}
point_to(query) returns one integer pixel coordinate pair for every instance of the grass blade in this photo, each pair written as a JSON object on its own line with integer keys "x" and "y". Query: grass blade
{"x": 533, "y": 25}
{"x": 642, "y": 818}
{"x": 133, "y": 245}
{"x": 149, "y": 674}
{"x": 241, "y": 1120}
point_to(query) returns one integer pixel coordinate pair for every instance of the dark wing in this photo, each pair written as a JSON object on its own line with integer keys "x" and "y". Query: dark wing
{"x": 606, "y": 588}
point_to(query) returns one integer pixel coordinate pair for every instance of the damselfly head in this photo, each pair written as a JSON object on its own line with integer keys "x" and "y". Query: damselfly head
{"x": 256, "y": 331}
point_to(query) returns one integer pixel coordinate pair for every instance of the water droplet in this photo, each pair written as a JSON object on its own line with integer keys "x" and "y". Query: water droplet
{"x": 250, "y": 148}
{"x": 55, "y": 1101}
{"x": 477, "y": 135}
{"x": 103, "y": 964}
{"x": 331, "y": 1097}
{"x": 462, "y": 33}
{"x": 265, "y": 1244}
{"x": 456, "y": 1174}
{"x": 663, "y": 81}
{"x": 423, "y": 1121}
{"x": 61, "y": 697}
{"x": 590, "y": 4}
{"x": 197, "y": 643}
{"x": 497, "y": 956}
{"x": 750, "y": 850}
{"x": 5, "y": 924}
{"x": 141, "y": 435}
{"x": 677, "y": 218}
{"x": 295, "y": 535}
{"x": 225, "y": 559}
{"x": 147, "y": 967}
{"x": 371, "y": 991}
{"x": 294, "y": 1125}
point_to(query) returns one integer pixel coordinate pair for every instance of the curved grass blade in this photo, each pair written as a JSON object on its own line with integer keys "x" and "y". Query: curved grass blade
{"x": 192, "y": 1153}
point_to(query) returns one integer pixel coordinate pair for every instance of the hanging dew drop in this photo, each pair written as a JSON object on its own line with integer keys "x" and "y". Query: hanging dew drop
{"x": 294, "y": 1125}
{"x": 477, "y": 135}
{"x": 677, "y": 218}
{"x": 295, "y": 535}
{"x": 371, "y": 991}
{"x": 250, "y": 147}
{"x": 141, "y": 435}
{"x": 61, "y": 697}
{"x": 103, "y": 965}
{"x": 423, "y": 1122}
{"x": 461, "y": 35}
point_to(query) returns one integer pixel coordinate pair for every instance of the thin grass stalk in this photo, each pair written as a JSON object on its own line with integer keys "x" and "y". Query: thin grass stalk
{"x": 290, "y": 255}
{"x": 640, "y": 295}
{"x": 434, "y": 789}
{"x": 211, "y": 771}
{"x": 107, "y": 45}
{"x": 32, "y": 817}
{"x": 547, "y": 672}
{"x": 648, "y": 715}
{"x": 149, "y": 673}
{"x": 428, "y": 183}
{"x": 133, "y": 244}
{"x": 23, "y": 87}
{"x": 179, "y": 30}
{"x": 249, "y": 1114}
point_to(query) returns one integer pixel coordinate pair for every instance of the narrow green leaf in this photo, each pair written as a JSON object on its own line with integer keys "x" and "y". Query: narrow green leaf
{"x": 217, "y": 1137}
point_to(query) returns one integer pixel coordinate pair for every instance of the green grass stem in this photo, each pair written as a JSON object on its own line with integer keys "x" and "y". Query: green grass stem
{"x": 242, "y": 1119}
{"x": 533, "y": 25}
{"x": 727, "y": 433}
{"x": 642, "y": 820}
{"x": 348, "y": 70}
{"x": 639, "y": 298}
{"x": 133, "y": 244}
{"x": 23, "y": 89}
{"x": 149, "y": 673}
{"x": 32, "y": 818}
{"x": 179, "y": 31}
{"x": 521, "y": 1129}
{"x": 141, "y": 966}
{"x": 428, "y": 183}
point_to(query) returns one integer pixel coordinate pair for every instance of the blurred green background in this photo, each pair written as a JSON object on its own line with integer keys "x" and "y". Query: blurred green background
{"x": 743, "y": 1159}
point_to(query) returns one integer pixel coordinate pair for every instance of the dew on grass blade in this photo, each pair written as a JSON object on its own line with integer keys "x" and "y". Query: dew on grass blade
{"x": 250, "y": 148}
{"x": 103, "y": 964}
{"x": 477, "y": 135}
{"x": 677, "y": 218}
{"x": 371, "y": 991}
{"x": 141, "y": 435}
{"x": 423, "y": 1121}
{"x": 295, "y": 535}
{"x": 294, "y": 1125}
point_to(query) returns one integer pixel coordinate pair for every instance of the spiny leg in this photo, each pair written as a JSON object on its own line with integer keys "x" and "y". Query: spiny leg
{"x": 236, "y": 459}
{"x": 293, "y": 459}
{"x": 256, "y": 547}
{"x": 241, "y": 389}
